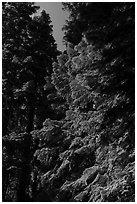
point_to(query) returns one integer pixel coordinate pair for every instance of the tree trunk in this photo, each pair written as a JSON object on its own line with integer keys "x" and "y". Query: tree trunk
{"x": 5, "y": 181}
{"x": 25, "y": 174}
{"x": 5, "y": 121}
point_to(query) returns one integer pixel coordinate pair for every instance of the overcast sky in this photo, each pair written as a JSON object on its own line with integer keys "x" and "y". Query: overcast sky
{"x": 58, "y": 17}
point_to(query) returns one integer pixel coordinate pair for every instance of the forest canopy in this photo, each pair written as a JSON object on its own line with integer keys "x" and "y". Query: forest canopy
{"x": 68, "y": 118}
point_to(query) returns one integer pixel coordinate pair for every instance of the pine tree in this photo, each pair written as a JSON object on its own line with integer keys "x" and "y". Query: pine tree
{"x": 14, "y": 52}
{"x": 27, "y": 61}
{"x": 118, "y": 51}
{"x": 95, "y": 158}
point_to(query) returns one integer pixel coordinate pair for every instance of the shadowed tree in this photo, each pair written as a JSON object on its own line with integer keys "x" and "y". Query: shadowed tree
{"x": 28, "y": 52}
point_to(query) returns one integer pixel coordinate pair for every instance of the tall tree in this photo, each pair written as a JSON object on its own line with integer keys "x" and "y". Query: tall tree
{"x": 117, "y": 48}
{"x": 96, "y": 78}
{"x": 28, "y": 52}
{"x": 74, "y": 157}
{"x": 15, "y": 19}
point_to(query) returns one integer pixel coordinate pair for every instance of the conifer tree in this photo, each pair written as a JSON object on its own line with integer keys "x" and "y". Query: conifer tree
{"x": 95, "y": 157}
{"x": 118, "y": 53}
{"x": 28, "y": 52}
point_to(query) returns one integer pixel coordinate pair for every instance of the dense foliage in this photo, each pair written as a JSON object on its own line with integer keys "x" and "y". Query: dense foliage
{"x": 29, "y": 50}
{"x": 79, "y": 145}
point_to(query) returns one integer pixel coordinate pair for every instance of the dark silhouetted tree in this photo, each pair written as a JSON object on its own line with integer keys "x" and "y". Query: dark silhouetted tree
{"x": 28, "y": 53}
